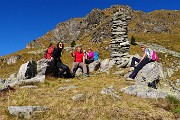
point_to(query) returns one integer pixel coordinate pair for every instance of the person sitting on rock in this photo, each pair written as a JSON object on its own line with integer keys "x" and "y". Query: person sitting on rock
{"x": 79, "y": 61}
{"x": 146, "y": 58}
{"x": 56, "y": 57}
{"x": 89, "y": 56}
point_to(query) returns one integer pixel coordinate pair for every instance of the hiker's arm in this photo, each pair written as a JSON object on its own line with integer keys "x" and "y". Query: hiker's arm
{"x": 84, "y": 59}
{"x": 54, "y": 54}
{"x": 143, "y": 56}
{"x": 72, "y": 54}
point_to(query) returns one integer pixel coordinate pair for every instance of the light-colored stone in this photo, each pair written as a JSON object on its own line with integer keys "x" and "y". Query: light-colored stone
{"x": 26, "y": 112}
{"x": 30, "y": 86}
{"x": 110, "y": 91}
{"x": 67, "y": 88}
{"x": 27, "y": 70}
{"x": 94, "y": 66}
{"x": 104, "y": 65}
{"x": 46, "y": 67}
{"x": 78, "y": 97}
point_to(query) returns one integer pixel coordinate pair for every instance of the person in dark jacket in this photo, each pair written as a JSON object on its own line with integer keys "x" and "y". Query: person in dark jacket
{"x": 56, "y": 57}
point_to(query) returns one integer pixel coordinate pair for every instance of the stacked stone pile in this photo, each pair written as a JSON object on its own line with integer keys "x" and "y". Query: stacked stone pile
{"x": 119, "y": 40}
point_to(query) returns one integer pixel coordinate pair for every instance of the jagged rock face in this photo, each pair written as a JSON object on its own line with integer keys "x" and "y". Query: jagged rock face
{"x": 119, "y": 40}
{"x": 10, "y": 60}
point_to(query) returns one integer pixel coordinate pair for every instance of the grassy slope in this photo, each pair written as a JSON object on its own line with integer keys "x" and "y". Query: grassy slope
{"x": 95, "y": 105}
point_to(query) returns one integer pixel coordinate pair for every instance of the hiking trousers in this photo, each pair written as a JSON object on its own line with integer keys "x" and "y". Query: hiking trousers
{"x": 139, "y": 67}
{"x": 78, "y": 64}
{"x": 134, "y": 59}
{"x": 64, "y": 68}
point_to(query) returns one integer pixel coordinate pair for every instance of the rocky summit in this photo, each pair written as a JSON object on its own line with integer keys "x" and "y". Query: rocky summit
{"x": 29, "y": 90}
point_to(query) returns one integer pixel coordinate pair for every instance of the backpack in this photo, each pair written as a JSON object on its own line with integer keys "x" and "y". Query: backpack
{"x": 96, "y": 56}
{"x": 152, "y": 55}
{"x": 49, "y": 52}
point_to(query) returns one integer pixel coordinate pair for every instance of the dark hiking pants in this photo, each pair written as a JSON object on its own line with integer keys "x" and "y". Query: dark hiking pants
{"x": 63, "y": 68}
{"x": 134, "y": 59}
{"x": 139, "y": 67}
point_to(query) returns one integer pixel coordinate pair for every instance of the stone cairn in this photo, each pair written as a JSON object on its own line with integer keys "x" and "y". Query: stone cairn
{"x": 119, "y": 39}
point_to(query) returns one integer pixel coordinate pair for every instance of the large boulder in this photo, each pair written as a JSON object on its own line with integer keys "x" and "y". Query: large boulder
{"x": 146, "y": 81}
{"x": 27, "y": 70}
{"x": 150, "y": 72}
{"x": 46, "y": 67}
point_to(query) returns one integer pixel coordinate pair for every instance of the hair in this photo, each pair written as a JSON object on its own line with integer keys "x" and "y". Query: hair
{"x": 143, "y": 46}
{"x": 80, "y": 46}
{"x": 58, "y": 45}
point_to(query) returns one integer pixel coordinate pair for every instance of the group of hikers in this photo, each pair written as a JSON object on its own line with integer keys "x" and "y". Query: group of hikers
{"x": 83, "y": 58}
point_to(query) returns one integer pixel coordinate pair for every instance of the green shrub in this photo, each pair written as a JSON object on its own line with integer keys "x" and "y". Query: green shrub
{"x": 73, "y": 43}
{"x": 133, "y": 40}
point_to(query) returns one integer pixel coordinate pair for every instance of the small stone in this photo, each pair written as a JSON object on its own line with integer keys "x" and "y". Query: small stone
{"x": 110, "y": 91}
{"x": 67, "y": 88}
{"x": 25, "y": 111}
{"x": 68, "y": 80}
{"x": 30, "y": 86}
{"x": 78, "y": 97}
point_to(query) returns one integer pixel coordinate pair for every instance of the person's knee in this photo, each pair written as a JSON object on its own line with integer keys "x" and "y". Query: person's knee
{"x": 66, "y": 67}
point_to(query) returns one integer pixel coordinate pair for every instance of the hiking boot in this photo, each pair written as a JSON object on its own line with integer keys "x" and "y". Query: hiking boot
{"x": 129, "y": 79}
{"x": 86, "y": 75}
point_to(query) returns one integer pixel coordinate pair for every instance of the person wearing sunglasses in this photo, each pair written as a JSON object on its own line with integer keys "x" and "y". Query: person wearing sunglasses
{"x": 56, "y": 57}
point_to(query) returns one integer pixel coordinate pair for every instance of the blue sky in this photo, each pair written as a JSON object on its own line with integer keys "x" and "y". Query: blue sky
{"x": 22, "y": 21}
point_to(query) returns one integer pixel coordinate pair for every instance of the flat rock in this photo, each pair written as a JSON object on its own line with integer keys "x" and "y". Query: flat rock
{"x": 67, "y": 88}
{"x": 144, "y": 91}
{"x": 25, "y": 111}
{"x": 30, "y": 86}
{"x": 110, "y": 91}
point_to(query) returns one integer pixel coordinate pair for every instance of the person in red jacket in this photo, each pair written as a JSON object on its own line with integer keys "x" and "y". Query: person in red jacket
{"x": 79, "y": 61}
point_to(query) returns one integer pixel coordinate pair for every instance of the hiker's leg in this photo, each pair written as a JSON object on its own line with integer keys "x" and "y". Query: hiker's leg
{"x": 139, "y": 67}
{"x": 74, "y": 67}
{"x": 63, "y": 68}
{"x": 84, "y": 67}
{"x": 134, "y": 59}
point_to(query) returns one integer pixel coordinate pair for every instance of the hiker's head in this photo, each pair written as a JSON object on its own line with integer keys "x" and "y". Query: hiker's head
{"x": 60, "y": 45}
{"x": 89, "y": 49}
{"x": 79, "y": 49}
{"x": 143, "y": 47}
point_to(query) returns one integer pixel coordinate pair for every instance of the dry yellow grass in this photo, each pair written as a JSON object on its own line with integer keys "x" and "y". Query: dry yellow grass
{"x": 95, "y": 105}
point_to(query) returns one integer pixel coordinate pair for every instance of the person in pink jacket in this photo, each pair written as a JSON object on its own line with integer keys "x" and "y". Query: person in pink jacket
{"x": 90, "y": 56}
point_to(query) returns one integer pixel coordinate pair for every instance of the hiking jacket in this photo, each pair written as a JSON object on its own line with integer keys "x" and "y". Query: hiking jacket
{"x": 57, "y": 55}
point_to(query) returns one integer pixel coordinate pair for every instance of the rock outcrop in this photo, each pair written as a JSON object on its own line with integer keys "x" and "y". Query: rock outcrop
{"x": 27, "y": 70}
{"x": 146, "y": 83}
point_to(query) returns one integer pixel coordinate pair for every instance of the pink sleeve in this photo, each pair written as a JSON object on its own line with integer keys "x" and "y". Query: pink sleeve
{"x": 91, "y": 55}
